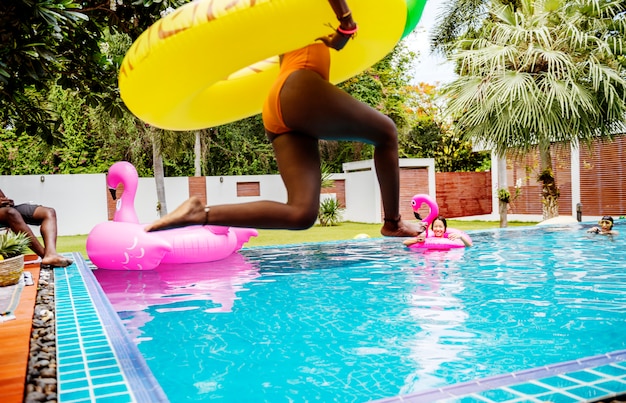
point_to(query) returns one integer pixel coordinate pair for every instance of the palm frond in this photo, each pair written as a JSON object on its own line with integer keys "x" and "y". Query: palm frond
{"x": 544, "y": 72}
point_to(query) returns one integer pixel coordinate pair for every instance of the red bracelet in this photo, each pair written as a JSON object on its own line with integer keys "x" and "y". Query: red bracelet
{"x": 346, "y": 31}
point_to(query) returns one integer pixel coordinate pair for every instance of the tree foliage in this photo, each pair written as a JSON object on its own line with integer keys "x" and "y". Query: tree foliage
{"x": 45, "y": 43}
{"x": 548, "y": 72}
{"x": 458, "y": 19}
{"x": 239, "y": 148}
{"x": 34, "y": 49}
{"x": 544, "y": 72}
{"x": 430, "y": 136}
{"x": 62, "y": 102}
{"x": 384, "y": 86}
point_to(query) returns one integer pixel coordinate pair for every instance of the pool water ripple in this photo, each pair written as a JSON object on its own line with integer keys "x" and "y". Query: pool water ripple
{"x": 362, "y": 320}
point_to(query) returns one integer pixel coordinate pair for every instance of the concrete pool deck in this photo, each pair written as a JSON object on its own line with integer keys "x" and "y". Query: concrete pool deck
{"x": 15, "y": 335}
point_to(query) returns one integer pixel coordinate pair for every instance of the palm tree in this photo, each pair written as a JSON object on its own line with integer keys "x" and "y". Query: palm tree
{"x": 545, "y": 72}
{"x": 459, "y": 19}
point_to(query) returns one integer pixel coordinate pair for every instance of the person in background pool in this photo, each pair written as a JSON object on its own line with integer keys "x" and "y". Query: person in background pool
{"x": 439, "y": 228}
{"x": 302, "y": 108}
{"x": 605, "y": 227}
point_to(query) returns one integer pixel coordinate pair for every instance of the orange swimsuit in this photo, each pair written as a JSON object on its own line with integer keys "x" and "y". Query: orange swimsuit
{"x": 314, "y": 57}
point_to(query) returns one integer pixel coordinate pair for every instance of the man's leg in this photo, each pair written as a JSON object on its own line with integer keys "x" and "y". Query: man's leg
{"x": 48, "y": 228}
{"x": 14, "y": 220}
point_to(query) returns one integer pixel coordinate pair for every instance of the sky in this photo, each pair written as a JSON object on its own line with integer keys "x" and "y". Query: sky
{"x": 429, "y": 68}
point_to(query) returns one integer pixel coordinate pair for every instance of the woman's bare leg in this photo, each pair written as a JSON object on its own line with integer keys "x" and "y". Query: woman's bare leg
{"x": 299, "y": 165}
{"x": 316, "y": 107}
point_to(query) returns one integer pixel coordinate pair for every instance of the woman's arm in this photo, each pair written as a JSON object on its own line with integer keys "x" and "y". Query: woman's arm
{"x": 347, "y": 27}
{"x": 342, "y": 11}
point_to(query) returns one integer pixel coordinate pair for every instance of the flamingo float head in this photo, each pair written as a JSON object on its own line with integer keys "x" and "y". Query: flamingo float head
{"x": 422, "y": 198}
{"x": 125, "y": 173}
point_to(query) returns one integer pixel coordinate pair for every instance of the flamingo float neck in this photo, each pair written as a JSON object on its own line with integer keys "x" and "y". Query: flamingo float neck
{"x": 125, "y": 173}
{"x": 420, "y": 198}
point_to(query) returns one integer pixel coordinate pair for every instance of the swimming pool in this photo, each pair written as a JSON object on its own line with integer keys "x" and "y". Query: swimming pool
{"x": 370, "y": 319}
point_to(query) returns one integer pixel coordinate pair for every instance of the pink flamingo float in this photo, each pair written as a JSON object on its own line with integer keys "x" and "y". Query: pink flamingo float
{"x": 431, "y": 242}
{"x": 123, "y": 244}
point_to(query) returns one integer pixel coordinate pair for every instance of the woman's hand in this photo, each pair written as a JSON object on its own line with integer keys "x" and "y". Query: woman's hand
{"x": 347, "y": 27}
{"x": 336, "y": 40}
{"x": 346, "y": 30}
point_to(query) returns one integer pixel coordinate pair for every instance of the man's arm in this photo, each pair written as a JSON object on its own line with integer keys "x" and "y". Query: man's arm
{"x": 5, "y": 201}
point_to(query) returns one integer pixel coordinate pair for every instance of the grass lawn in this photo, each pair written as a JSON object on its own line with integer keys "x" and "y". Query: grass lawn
{"x": 347, "y": 230}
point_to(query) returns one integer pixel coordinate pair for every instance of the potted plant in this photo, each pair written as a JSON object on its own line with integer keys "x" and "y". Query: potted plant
{"x": 12, "y": 249}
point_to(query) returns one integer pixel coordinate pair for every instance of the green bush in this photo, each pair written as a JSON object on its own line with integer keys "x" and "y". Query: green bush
{"x": 330, "y": 212}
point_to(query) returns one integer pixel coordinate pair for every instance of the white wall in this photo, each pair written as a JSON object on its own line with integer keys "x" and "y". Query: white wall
{"x": 78, "y": 199}
{"x": 176, "y": 191}
{"x": 575, "y": 176}
{"x": 362, "y": 197}
{"x": 223, "y": 189}
{"x": 363, "y": 200}
{"x": 81, "y": 200}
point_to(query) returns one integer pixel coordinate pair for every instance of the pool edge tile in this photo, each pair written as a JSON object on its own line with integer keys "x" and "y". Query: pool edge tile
{"x": 458, "y": 391}
{"x": 141, "y": 383}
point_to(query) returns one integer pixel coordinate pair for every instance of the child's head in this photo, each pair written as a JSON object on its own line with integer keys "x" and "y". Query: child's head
{"x": 606, "y": 222}
{"x": 439, "y": 226}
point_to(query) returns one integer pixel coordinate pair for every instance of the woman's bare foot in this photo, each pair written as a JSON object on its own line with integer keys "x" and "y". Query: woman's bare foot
{"x": 402, "y": 228}
{"x": 56, "y": 261}
{"x": 191, "y": 212}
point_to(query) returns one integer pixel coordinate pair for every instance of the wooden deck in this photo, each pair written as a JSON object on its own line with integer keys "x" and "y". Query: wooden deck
{"x": 15, "y": 343}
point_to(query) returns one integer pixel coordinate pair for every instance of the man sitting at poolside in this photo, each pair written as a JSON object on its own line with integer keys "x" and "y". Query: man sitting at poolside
{"x": 17, "y": 219}
{"x": 605, "y": 227}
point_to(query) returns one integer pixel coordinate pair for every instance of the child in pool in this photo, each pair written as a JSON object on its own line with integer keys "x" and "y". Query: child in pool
{"x": 605, "y": 227}
{"x": 439, "y": 228}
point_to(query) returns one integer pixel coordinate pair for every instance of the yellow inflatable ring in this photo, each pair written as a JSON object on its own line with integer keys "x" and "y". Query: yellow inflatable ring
{"x": 212, "y": 62}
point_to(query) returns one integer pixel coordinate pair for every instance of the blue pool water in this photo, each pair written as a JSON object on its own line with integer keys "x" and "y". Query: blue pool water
{"x": 368, "y": 319}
